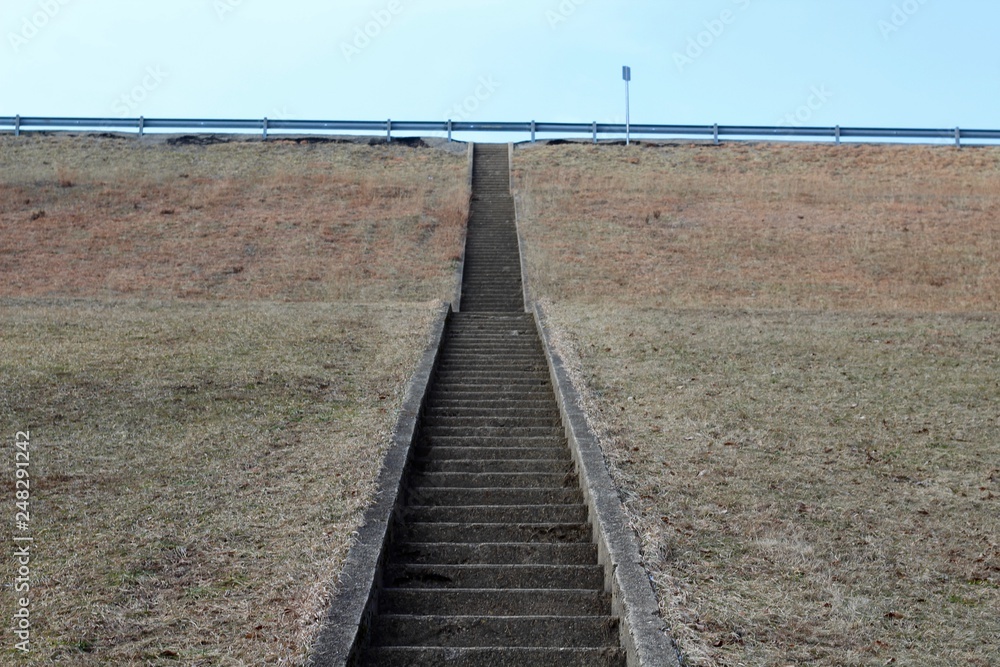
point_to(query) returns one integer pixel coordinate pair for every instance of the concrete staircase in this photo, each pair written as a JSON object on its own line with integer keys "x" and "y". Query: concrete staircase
{"x": 492, "y": 278}
{"x": 492, "y": 561}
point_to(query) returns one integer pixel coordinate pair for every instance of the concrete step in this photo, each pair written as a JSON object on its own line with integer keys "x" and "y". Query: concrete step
{"x": 491, "y": 386}
{"x": 496, "y": 404}
{"x": 496, "y": 533}
{"x": 483, "y": 455}
{"x": 506, "y": 480}
{"x": 494, "y": 514}
{"x": 494, "y": 357}
{"x": 432, "y": 462}
{"x": 475, "y": 349}
{"x": 506, "y": 333}
{"x": 512, "y": 301}
{"x": 494, "y": 353}
{"x": 537, "y": 386}
{"x": 410, "y": 575}
{"x": 486, "y": 374}
{"x": 504, "y": 326}
{"x": 516, "y": 350}
{"x": 509, "y": 345}
{"x": 494, "y": 431}
{"x": 491, "y": 392}
{"x": 453, "y": 408}
{"x": 492, "y": 496}
{"x": 464, "y": 318}
{"x": 501, "y": 442}
{"x": 491, "y": 369}
{"x": 494, "y": 420}
{"x": 517, "y": 325}
{"x": 535, "y": 410}
{"x": 411, "y": 630}
{"x": 487, "y": 553}
{"x": 486, "y": 260}
{"x": 486, "y": 277}
{"x": 506, "y": 656}
{"x": 471, "y": 304}
{"x": 477, "y": 392}
{"x": 486, "y": 295}
{"x": 495, "y": 602}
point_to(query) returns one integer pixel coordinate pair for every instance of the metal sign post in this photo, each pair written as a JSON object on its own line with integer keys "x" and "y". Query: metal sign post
{"x": 627, "y": 75}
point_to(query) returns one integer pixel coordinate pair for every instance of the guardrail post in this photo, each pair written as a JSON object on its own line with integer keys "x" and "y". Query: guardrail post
{"x": 17, "y": 125}
{"x": 958, "y": 138}
{"x": 715, "y": 134}
{"x": 142, "y": 126}
{"x": 449, "y": 130}
{"x": 264, "y": 136}
{"x": 388, "y": 131}
{"x": 595, "y": 131}
{"x": 532, "y": 131}
{"x": 836, "y": 133}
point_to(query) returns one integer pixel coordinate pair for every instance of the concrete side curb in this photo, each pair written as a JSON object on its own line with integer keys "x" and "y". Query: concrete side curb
{"x": 471, "y": 152}
{"x": 644, "y": 634}
{"x": 520, "y": 238}
{"x": 457, "y": 299}
{"x": 347, "y": 622}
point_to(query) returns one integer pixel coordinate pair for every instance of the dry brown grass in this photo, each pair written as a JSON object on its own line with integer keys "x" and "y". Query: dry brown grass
{"x": 198, "y": 469}
{"x": 766, "y": 225}
{"x": 208, "y": 398}
{"x": 95, "y": 216}
{"x": 810, "y": 456}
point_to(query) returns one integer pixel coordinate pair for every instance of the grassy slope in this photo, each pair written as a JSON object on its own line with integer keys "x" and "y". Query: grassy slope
{"x": 767, "y": 226}
{"x": 791, "y": 355}
{"x": 198, "y": 468}
{"x": 205, "y": 438}
{"x": 93, "y": 216}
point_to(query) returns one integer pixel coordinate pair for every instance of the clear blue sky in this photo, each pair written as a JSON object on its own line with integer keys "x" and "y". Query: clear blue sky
{"x": 905, "y": 63}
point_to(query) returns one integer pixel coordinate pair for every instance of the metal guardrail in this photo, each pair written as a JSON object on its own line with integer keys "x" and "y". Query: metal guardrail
{"x": 19, "y": 124}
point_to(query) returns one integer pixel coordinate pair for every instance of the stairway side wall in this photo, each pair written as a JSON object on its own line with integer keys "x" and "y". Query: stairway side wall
{"x": 345, "y": 630}
{"x": 644, "y": 634}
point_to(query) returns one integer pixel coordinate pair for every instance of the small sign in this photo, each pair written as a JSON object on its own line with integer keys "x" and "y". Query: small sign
{"x": 627, "y": 73}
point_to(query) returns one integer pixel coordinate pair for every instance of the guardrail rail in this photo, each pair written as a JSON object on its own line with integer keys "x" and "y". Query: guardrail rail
{"x": 140, "y": 125}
